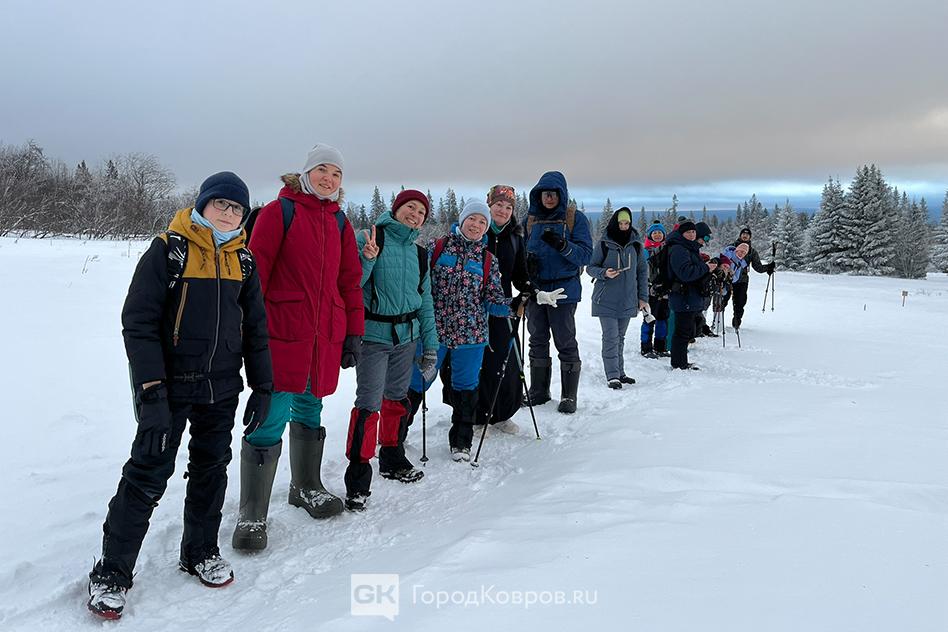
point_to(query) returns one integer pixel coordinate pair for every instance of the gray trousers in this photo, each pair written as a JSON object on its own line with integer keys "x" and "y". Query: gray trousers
{"x": 613, "y": 344}
{"x": 383, "y": 371}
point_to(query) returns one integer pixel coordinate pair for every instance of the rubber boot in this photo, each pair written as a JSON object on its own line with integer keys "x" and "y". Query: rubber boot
{"x": 257, "y": 469}
{"x": 541, "y": 371}
{"x": 306, "y": 488}
{"x": 569, "y": 378}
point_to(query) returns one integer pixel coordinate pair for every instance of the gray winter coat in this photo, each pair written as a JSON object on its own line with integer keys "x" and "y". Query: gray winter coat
{"x": 618, "y": 297}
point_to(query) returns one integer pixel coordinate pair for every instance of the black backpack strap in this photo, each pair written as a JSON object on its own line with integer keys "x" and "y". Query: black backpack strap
{"x": 247, "y": 264}
{"x": 422, "y": 267}
{"x": 341, "y": 222}
{"x": 177, "y": 256}
{"x": 289, "y": 209}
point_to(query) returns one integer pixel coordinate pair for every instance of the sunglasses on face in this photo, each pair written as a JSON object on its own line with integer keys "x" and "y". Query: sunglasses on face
{"x": 224, "y": 205}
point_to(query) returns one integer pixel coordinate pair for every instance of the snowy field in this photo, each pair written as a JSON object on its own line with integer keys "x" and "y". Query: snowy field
{"x": 799, "y": 483}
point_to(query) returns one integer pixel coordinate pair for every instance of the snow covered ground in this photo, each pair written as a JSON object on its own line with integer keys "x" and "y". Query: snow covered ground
{"x": 799, "y": 483}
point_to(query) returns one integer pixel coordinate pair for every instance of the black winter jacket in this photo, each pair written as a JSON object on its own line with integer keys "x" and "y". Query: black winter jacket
{"x": 195, "y": 336}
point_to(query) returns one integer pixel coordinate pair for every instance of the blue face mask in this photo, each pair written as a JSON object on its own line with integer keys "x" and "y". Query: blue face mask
{"x": 220, "y": 236}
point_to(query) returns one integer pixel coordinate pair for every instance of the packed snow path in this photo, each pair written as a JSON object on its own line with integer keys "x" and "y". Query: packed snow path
{"x": 798, "y": 483}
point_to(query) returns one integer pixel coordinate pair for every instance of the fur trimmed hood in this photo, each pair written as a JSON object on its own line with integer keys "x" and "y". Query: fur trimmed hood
{"x": 292, "y": 180}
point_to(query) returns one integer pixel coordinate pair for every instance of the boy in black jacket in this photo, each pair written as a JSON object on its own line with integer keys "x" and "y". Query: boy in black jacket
{"x": 193, "y": 313}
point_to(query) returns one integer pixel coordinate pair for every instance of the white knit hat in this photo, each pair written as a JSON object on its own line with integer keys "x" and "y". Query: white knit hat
{"x": 322, "y": 154}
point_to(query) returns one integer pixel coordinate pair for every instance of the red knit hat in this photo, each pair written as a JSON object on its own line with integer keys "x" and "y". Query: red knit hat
{"x": 407, "y": 196}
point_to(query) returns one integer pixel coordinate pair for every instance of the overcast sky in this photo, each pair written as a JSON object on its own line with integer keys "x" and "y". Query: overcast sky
{"x": 631, "y": 99}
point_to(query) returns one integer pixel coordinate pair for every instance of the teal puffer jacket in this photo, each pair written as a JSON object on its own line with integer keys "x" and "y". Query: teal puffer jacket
{"x": 390, "y": 287}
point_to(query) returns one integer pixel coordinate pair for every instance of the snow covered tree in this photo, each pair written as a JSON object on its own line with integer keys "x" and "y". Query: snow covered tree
{"x": 643, "y": 223}
{"x": 940, "y": 240}
{"x": 825, "y": 239}
{"x": 451, "y": 206}
{"x": 604, "y": 219}
{"x": 377, "y": 206}
{"x": 789, "y": 237}
{"x": 363, "y": 217}
{"x": 870, "y": 203}
{"x": 912, "y": 239}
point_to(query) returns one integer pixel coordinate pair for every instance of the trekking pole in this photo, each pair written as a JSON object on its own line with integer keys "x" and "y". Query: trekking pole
{"x": 773, "y": 287}
{"x": 766, "y": 291}
{"x": 424, "y": 424}
{"x": 493, "y": 402}
{"x": 523, "y": 380}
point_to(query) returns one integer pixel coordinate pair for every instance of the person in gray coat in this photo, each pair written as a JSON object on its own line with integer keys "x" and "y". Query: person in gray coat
{"x": 619, "y": 270}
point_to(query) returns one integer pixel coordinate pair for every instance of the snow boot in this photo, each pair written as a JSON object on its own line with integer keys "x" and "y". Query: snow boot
{"x": 625, "y": 379}
{"x": 213, "y": 571}
{"x": 306, "y": 488}
{"x": 357, "y": 502}
{"x": 461, "y": 454}
{"x": 660, "y": 349}
{"x": 106, "y": 595}
{"x": 507, "y": 425}
{"x": 614, "y": 383}
{"x": 257, "y": 469}
{"x": 647, "y": 350}
{"x": 541, "y": 371}
{"x": 569, "y": 385}
{"x": 393, "y": 464}
{"x": 461, "y": 434}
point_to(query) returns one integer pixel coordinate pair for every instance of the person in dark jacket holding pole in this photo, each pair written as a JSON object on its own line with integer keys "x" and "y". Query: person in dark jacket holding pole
{"x": 505, "y": 241}
{"x": 740, "y": 285}
{"x": 194, "y": 313}
{"x": 687, "y": 299}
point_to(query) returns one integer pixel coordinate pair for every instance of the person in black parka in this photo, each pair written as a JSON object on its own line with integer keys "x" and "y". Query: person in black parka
{"x": 687, "y": 298}
{"x": 505, "y": 241}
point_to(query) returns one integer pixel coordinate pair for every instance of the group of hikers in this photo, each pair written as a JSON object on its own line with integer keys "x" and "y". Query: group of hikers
{"x": 293, "y": 294}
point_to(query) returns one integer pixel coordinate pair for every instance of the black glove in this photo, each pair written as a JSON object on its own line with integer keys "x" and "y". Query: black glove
{"x": 258, "y": 407}
{"x": 555, "y": 241}
{"x": 520, "y": 300}
{"x": 351, "y": 351}
{"x": 154, "y": 422}
{"x": 771, "y": 267}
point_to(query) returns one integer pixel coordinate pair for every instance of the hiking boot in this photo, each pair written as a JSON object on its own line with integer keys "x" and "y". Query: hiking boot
{"x": 106, "y": 599}
{"x": 213, "y": 571}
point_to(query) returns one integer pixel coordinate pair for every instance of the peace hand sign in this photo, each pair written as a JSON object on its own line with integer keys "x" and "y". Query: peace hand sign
{"x": 370, "y": 250}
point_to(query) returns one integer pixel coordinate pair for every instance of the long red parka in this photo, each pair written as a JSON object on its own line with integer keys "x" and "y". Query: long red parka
{"x": 310, "y": 279}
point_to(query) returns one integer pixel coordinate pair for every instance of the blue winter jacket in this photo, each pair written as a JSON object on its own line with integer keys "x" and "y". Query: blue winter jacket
{"x": 738, "y": 265}
{"x": 555, "y": 269}
{"x": 687, "y": 269}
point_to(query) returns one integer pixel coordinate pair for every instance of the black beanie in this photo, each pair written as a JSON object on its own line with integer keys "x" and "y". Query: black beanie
{"x": 226, "y": 185}
{"x": 745, "y": 230}
{"x": 703, "y": 230}
{"x": 685, "y": 226}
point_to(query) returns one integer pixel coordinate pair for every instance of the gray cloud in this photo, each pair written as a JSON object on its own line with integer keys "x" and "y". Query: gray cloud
{"x": 627, "y": 96}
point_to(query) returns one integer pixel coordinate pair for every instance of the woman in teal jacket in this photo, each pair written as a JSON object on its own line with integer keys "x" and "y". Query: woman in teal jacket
{"x": 396, "y": 292}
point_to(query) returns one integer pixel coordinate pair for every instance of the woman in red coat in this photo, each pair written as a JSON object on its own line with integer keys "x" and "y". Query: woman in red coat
{"x": 310, "y": 274}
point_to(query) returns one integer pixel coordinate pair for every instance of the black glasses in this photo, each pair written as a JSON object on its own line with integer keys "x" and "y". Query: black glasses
{"x": 224, "y": 205}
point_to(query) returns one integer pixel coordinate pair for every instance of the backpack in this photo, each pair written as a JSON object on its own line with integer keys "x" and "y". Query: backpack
{"x": 488, "y": 258}
{"x": 659, "y": 271}
{"x": 570, "y": 220}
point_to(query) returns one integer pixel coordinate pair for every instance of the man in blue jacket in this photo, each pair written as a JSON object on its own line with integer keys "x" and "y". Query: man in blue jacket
{"x": 559, "y": 244}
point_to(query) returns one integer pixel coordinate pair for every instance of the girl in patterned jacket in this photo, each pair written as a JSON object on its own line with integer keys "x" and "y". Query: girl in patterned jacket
{"x": 465, "y": 284}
